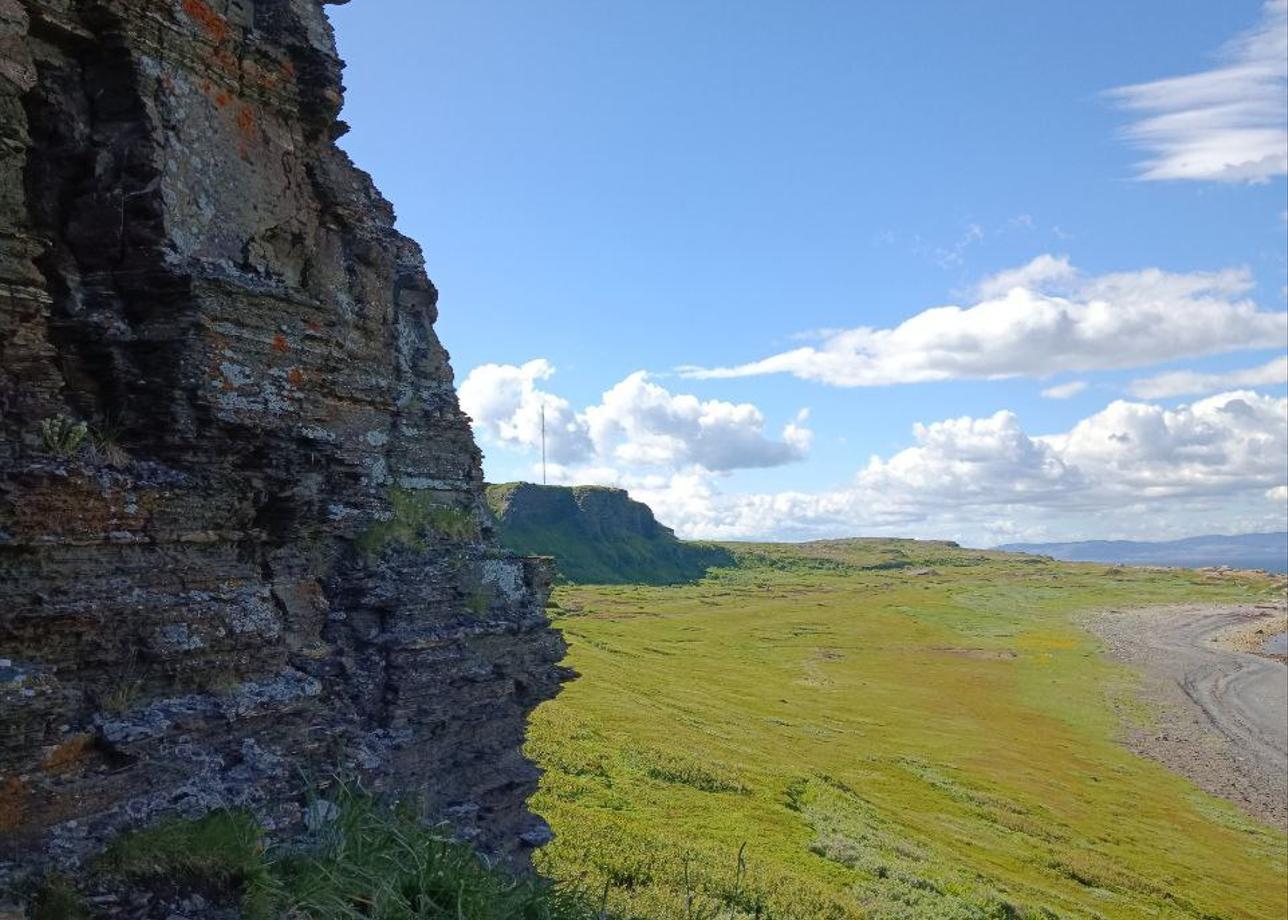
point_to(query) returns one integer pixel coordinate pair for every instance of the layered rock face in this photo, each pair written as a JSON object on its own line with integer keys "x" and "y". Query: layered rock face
{"x": 264, "y": 560}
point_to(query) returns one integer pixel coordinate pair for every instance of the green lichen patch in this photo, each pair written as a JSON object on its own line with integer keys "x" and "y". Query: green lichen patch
{"x": 416, "y": 518}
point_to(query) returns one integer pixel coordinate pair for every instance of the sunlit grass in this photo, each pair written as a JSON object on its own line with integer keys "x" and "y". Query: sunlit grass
{"x": 886, "y": 744}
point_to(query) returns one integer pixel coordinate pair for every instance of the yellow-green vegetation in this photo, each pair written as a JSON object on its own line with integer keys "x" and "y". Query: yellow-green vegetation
{"x": 365, "y": 862}
{"x": 893, "y": 730}
{"x": 414, "y": 516}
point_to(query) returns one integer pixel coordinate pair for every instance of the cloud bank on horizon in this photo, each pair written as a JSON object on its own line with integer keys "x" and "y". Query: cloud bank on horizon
{"x": 983, "y": 479}
{"x": 986, "y": 478}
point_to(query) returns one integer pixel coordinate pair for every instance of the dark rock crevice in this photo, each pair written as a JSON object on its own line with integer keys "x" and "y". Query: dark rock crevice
{"x": 196, "y": 612}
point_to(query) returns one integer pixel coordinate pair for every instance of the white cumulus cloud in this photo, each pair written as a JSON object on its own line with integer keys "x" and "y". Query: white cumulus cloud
{"x": 1236, "y": 440}
{"x": 1133, "y": 469}
{"x": 1046, "y": 272}
{"x": 1226, "y": 124}
{"x": 637, "y": 425}
{"x": 505, "y": 402}
{"x": 1189, "y": 383}
{"x": 640, "y": 423}
{"x": 1037, "y": 320}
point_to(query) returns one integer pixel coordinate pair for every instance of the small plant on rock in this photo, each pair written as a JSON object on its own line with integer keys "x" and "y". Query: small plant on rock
{"x": 62, "y": 436}
{"x": 125, "y": 689}
{"x": 106, "y": 441}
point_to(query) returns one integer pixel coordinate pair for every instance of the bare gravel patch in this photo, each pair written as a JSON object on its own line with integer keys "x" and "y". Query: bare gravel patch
{"x": 1221, "y": 711}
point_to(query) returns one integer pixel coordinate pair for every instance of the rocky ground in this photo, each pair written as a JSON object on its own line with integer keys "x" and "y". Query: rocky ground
{"x": 1220, "y": 711}
{"x": 1261, "y": 636}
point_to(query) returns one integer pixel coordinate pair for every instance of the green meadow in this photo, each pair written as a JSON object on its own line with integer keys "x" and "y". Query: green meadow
{"x": 880, "y": 729}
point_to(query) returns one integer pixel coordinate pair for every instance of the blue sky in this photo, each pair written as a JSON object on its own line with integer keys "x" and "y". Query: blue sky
{"x": 615, "y": 188}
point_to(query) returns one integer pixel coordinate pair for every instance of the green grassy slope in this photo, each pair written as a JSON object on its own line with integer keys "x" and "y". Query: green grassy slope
{"x": 596, "y": 535}
{"x": 893, "y": 730}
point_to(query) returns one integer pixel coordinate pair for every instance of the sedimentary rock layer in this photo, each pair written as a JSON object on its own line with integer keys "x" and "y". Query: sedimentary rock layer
{"x": 243, "y": 545}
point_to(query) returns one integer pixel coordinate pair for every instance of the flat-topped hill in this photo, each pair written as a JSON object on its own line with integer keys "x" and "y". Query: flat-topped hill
{"x": 597, "y": 535}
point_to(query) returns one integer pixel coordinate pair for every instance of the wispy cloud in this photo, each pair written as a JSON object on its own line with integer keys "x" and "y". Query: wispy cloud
{"x": 948, "y": 256}
{"x": 1037, "y": 320}
{"x": 1226, "y": 124}
{"x": 1065, "y": 390}
{"x": 1190, "y": 383}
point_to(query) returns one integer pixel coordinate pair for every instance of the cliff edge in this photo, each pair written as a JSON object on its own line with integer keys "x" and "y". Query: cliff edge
{"x": 597, "y": 535}
{"x": 243, "y": 540}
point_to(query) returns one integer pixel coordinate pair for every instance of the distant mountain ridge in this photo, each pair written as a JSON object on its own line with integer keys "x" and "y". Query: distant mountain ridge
{"x": 1241, "y": 551}
{"x": 597, "y": 535}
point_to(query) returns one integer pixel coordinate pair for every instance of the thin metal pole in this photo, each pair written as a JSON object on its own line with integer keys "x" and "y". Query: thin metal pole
{"x": 543, "y": 444}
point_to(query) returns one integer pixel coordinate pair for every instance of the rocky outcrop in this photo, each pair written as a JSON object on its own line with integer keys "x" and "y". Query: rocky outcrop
{"x": 243, "y": 544}
{"x": 597, "y": 535}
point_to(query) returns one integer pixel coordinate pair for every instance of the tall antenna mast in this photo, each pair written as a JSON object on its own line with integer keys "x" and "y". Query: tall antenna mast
{"x": 543, "y": 444}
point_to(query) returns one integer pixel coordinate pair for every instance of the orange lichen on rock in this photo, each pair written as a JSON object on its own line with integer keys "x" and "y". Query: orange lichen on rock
{"x": 69, "y": 752}
{"x": 296, "y": 377}
{"x": 279, "y": 344}
{"x": 75, "y": 508}
{"x": 210, "y": 21}
{"x": 13, "y": 793}
{"x": 246, "y": 121}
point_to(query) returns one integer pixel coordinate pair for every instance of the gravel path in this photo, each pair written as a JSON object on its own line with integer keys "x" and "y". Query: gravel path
{"x": 1222, "y": 715}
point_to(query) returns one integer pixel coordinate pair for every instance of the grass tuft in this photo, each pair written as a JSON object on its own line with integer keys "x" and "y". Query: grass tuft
{"x": 221, "y": 848}
{"x": 369, "y": 862}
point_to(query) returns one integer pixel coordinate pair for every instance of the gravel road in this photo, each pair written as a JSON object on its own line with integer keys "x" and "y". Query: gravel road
{"x": 1222, "y": 714}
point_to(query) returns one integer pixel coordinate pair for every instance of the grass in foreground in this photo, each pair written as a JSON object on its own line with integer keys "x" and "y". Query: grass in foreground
{"x": 893, "y": 730}
{"x": 370, "y": 862}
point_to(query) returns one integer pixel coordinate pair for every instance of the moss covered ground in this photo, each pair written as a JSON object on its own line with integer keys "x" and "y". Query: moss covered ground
{"x": 880, "y": 729}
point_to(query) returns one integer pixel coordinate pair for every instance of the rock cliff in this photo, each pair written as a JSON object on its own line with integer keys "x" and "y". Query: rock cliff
{"x": 243, "y": 543}
{"x": 597, "y": 535}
